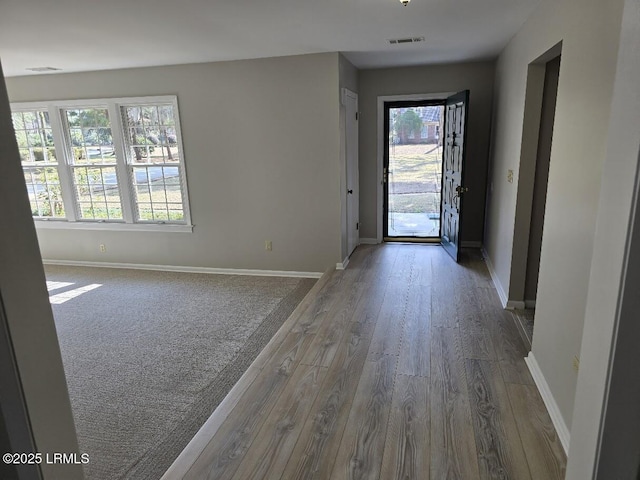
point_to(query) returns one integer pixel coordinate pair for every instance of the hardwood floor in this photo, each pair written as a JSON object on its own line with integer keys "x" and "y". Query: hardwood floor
{"x": 402, "y": 366}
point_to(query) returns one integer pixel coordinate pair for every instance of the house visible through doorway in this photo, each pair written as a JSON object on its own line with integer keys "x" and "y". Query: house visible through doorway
{"x": 413, "y": 170}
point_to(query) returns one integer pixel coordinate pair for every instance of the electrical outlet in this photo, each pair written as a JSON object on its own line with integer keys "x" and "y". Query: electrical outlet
{"x": 576, "y": 363}
{"x": 103, "y": 248}
{"x": 510, "y": 176}
{"x": 267, "y": 245}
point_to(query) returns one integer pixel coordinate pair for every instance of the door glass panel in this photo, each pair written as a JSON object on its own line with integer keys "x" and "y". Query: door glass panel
{"x": 415, "y": 171}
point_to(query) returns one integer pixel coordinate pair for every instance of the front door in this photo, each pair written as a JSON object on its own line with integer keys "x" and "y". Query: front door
{"x": 455, "y": 118}
{"x": 412, "y": 170}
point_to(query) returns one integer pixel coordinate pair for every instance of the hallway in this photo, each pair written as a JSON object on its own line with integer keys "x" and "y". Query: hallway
{"x": 404, "y": 365}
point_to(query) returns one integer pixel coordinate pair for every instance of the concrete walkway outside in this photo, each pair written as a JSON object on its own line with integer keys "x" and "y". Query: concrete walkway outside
{"x": 413, "y": 225}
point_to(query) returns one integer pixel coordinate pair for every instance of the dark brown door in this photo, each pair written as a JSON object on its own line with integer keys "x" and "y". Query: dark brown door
{"x": 455, "y": 130}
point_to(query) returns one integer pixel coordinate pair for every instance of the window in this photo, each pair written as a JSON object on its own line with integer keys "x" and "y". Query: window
{"x": 39, "y": 163}
{"x": 108, "y": 163}
{"x": 93, "y": 164}
{"x": 152, "y": 138}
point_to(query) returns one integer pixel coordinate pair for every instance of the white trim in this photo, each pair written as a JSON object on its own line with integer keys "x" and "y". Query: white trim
{"x": 506, "y": 303}
{"x": 95, "y": 102}
{"x": 496, "y": 280}
{"x": 186, "y": 269}
{"x": 369, "y": 241}
{"x": 127, "y": 195}
{"x": 181, "y": 465}
{"x": 64, "y": 173}
{"x": 45, "y": 224}
{"x": 380, "y": 141}
{"x": 342, "y": 265}
{"x": 514, "y": 305}
{"x": 64, "y": 154}
{"x": 530, "y": 304}
{"x": 552, "y": 407}
{"x": 471, "y": 244}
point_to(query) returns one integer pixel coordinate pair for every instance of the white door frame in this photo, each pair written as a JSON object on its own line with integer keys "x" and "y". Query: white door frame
{"x": 381, "y": 139}
{"x": 346, "y": 180}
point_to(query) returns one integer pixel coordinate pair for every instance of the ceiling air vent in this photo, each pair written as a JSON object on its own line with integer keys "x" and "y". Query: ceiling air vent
{"x": 43, "y": 69}
{"x": 398, "y": 41}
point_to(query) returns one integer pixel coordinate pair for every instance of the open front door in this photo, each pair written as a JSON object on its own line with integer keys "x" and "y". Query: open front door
{"x": 455, "y": 130}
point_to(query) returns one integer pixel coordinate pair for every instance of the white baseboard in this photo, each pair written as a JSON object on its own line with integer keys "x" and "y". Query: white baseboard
{"x": 175, "y": 268}
{"x": 514, "y": 305}
{"x": 549, "y": 401}
{"x": 496, "y": 280}
{"x": 369, "y": 241}
{"x": 471, "y": 244}
{"x": 530, "y": 304}
{"x": 342, "y": 265}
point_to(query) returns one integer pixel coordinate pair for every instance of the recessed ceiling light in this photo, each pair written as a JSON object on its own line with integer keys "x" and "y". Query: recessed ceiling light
{"x": 43, "y": 69}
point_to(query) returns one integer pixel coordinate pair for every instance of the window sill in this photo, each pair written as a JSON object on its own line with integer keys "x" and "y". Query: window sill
{"x": 111, "y": 226}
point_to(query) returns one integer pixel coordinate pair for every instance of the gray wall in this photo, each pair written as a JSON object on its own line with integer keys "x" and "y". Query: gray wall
{"x": 613, "y": 302}
{"x": 476, "y": 77}
{"x": 589, "y": 31}
{"x": 262, "y": 152}
{"x": 27, "y": 324}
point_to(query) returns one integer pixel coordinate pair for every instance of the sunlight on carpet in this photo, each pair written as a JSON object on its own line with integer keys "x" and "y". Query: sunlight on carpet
{"x": 149, "y": 355}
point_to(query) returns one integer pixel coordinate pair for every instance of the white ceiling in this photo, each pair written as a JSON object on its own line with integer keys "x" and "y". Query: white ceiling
{"x": 81, "y": 35}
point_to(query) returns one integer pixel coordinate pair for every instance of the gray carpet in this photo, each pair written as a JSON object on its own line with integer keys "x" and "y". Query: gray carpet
{"x": 149, "y": 355}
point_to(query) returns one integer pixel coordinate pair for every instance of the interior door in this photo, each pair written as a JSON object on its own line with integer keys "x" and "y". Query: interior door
{"x": 353, "y": 195}
{"x": 455, "y": 130}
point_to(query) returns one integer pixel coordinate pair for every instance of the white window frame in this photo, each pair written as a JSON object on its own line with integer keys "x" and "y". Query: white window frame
{"x": 125, "y": 183}
{"x": 58, "y": 165}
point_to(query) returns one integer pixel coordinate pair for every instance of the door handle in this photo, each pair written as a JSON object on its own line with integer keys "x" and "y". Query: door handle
{"x": 460, "y": 189}
{"x": 350, "y": 192}
{"x": 385, "y": 175}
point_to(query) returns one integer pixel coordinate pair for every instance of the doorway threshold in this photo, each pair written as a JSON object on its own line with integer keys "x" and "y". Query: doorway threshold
{"x": 524, "y": 322}
{"x": 434, "y": 240}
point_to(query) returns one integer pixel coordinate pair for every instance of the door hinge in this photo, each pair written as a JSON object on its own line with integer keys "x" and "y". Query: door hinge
{"x": 357, "y": 225}
{"x": 356, "y": 115}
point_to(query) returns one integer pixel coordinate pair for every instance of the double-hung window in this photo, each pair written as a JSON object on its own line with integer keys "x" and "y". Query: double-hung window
{"x": 39, "y": 162}
{"x": 92, "y": 163}
{"x": 104, "y": 163}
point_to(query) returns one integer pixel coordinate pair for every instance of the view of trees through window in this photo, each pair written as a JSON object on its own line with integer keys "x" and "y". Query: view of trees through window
{"x": 152, "y": 139}
{"x": 94, "y": 169}
{"x": 94, "y": 164}
{"x": 37, "y": 153}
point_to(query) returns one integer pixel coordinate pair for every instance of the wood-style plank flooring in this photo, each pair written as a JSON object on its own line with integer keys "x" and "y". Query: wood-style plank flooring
{"x": 402, "y": 366}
